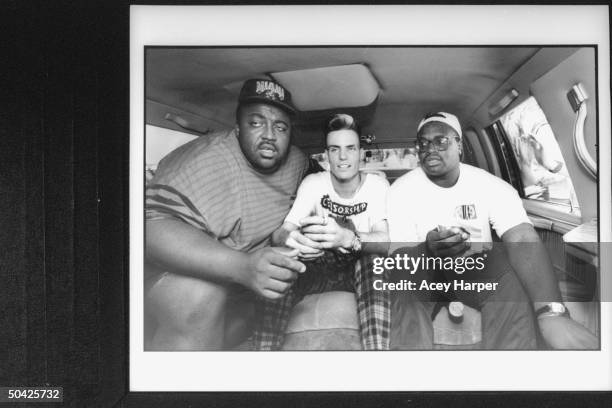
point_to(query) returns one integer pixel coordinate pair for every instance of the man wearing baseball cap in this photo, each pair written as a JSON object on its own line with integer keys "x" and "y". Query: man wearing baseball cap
{"x": 210, "y": 211}
{"x": 448, "y": 209}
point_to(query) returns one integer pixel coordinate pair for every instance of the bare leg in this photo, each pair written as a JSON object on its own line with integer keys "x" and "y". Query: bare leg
{"x": 189, "y": 313}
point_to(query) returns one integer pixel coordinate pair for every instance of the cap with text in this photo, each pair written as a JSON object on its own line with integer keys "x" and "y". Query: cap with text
{"x": 443, "y": 117}
{"x": 266, "y": 91}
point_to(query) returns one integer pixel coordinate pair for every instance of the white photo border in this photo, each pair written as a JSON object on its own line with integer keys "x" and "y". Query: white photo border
{"x": 364, "y": 25}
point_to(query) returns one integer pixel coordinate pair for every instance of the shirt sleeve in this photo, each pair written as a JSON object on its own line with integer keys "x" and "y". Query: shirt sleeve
{"x": 305, "y": 201}
{"x": 380, "y": 196}
{"x": 171, "y": 194}
{"x": 402, "y": 225}
{"x": 506, "y": 210}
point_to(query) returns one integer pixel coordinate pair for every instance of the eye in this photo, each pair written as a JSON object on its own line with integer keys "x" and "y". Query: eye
{"x": 279, "y": 127}
{"x": 333, "y": 149}
{"x": 256, "y": 123}
{"x": 352, "y": 149}
{"x": 441, "y": 141}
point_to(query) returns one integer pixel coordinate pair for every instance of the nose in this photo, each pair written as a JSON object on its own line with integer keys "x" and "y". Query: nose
{"x": 342, "y": 154}
{"x": 269, "y": 133}
{"x": 430, "y": 148}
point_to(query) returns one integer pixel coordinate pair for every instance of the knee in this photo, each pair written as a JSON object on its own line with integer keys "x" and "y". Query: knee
{"x": 509, "y": 289}
{"x": 186, "y": 303}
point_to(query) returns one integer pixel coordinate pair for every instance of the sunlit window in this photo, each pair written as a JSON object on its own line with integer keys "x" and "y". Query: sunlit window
{"x": 542, "y": 167}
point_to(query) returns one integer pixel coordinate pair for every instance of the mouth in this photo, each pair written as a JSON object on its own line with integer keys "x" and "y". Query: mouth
{"x": 432, "y": 161}
{"x": 267, "y": 151}
{"x": 344, "y": 166}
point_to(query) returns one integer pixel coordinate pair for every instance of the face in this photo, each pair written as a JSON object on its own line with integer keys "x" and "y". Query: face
{"x": 264, "y": 133}
{"x": 343, "y": 153}
{"x": 439, "y": 164}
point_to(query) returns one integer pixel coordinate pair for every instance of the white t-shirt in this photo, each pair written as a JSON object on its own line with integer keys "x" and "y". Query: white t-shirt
{"x": 316, "y": 196}
{"x": 476, "y": 202}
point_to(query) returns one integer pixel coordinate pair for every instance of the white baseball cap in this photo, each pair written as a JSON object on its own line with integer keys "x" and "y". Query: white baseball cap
{"x": 448, "y": 118}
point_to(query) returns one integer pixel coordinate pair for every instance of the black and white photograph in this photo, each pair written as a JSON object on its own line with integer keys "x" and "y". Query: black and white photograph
{"x": 321, "y": 200}
{"x": 291, "y": 165}
{"x": 225, "y": 204}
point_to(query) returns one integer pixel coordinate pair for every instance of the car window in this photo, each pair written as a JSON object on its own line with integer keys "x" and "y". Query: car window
{"x": 543, "y": 171}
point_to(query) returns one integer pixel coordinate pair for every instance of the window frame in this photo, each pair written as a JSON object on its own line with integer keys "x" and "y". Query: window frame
{"x": 560, "y": 215}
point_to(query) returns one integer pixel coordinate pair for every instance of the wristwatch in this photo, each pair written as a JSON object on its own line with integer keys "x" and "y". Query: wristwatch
{"x": 356, "y": 244}
{"x": 552, "y": 309}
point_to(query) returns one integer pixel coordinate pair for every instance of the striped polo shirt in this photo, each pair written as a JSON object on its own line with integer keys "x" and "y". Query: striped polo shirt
{"x": 208, "y": 183}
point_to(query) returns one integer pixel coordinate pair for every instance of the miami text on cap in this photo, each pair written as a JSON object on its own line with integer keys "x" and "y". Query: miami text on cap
{"x": 266, "y": 91}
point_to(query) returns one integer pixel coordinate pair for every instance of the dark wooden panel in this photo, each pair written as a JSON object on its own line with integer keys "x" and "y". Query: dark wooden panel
{"x": 113, "y": 161}
{"x": 59, "y": 195}
{"x": 12, "y": 198}
{"x": 63, "y": 179}
{"x": 32, "y": 57}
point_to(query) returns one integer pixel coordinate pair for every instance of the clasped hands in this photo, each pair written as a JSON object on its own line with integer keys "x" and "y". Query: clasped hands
{"x": 316, "y": 234}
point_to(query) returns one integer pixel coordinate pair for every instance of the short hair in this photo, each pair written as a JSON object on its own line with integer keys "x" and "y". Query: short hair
{"x": 342, "y": 121}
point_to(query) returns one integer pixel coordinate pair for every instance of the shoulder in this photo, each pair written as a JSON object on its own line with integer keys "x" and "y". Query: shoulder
{"x": 472, "y": 172}
{"x": 296, "y": 159}
{"x": 315, "y": 180}
{"x": 408, "y": 180}
{"x": 377, "y": 182}
{"x": 490, "y": 189}
{"x": 478, "y": 175}
{"x": 297, "y": 153}
{"x": 205, "y": 151}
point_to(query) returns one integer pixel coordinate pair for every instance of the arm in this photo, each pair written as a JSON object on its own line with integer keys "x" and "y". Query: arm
{"x": 184, "y": 249}
{"x": 330, "y": 235}
{"x": 377, "y": 240}
{"x": 558, "y": 331}
{"x": 541, "y": 283}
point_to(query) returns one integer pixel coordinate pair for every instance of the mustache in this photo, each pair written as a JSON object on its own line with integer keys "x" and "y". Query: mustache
{"x": 267, "y": 145}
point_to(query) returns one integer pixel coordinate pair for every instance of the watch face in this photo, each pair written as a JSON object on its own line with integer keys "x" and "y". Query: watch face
{"x": 557, "y": 307}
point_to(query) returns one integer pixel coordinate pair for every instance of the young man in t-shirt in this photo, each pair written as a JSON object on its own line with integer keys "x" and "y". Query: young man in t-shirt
{"x": 337, "y": 221}
{"x": 448, "y": 208}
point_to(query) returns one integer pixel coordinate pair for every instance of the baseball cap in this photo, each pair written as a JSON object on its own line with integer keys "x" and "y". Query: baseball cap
{"x": 266, "y": 91}
{"x": 448, "y": 118}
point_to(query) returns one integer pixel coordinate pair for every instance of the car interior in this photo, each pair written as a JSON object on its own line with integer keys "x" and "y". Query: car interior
{"x": 528, "y": 114}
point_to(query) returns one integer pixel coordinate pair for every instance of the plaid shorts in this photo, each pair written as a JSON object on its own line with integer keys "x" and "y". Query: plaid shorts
{"x": 332, "y": 271}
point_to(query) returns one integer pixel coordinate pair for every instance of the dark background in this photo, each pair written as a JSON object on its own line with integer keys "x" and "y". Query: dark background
{"x": 64, "y": 148}
{"x": 63, "y": 197}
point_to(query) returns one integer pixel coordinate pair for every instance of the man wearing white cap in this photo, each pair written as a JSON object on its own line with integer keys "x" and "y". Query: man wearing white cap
{"x": 447, "y": 209}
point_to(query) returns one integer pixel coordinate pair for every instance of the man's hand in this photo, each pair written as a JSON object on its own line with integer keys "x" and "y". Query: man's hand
{"x": 290, "y": 236}
{"x": 447, "y": 242}
{"x": 561, "y": 332}
{"x": 308, "y": 249}
{"x": 327, "y": 232}
{"x": 272, "y": 271}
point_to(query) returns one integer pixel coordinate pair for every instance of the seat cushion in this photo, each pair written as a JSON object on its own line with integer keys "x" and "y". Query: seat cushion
{"x": 329, "y": 310}
{"x": 328, "y": 321}
{"x": 324, "y": 321}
